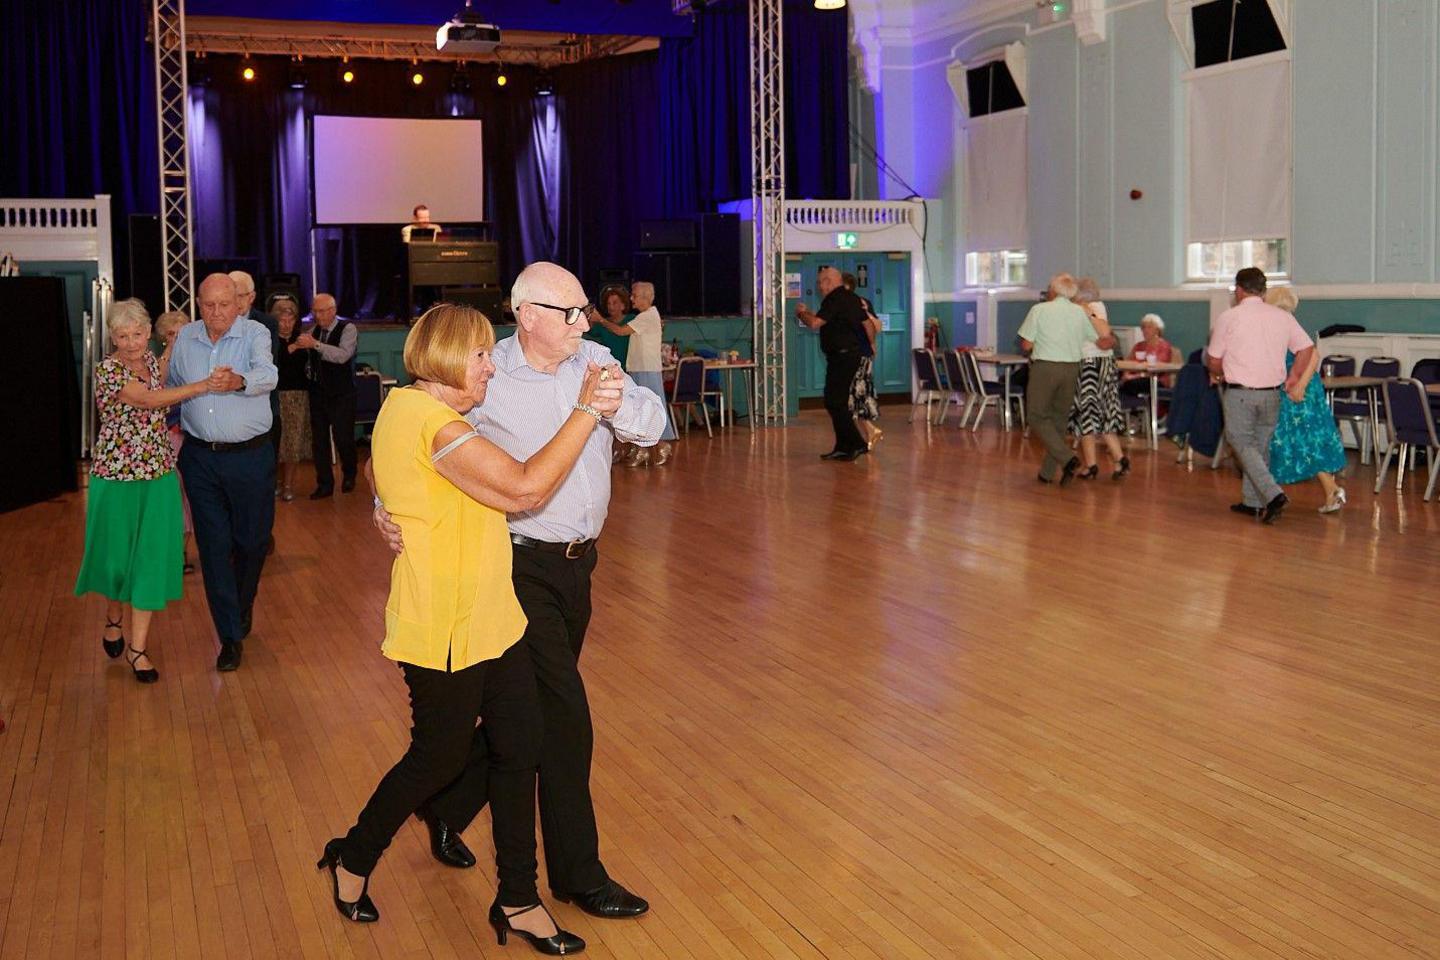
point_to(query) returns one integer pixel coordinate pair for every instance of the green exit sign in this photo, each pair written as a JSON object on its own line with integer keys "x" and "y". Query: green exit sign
{"x": 846, "y": 241}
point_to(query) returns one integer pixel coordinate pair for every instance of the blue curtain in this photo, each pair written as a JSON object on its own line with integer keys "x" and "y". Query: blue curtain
{"x": 78, "y": 119}
{"x": 663, "y": 134}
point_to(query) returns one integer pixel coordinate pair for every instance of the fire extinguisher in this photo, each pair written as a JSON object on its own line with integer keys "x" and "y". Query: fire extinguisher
{"x": 932, "y": 334}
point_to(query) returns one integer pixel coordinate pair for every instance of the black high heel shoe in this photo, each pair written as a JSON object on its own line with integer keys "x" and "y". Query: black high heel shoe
{"x": 562, "y": 944}
{"x": 1089, "y": 474}
{"x": 360, "y": 911}
{"x": 1122, "y": 468}
{"x": 144, "y": 676}
{"x": 113, "y": 648}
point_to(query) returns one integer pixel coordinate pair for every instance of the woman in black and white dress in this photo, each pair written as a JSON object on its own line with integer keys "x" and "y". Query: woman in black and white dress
{"x": 1097, "y": 410}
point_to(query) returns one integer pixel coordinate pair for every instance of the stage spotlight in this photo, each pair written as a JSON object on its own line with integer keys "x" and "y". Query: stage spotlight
{"x": 460, "y": 80}
{"x": 296, "y": 76}
{"x": 348, "y": 76}
{"x": 248, "y": 73}
{"x": 544, "y": 86}
{"x": 417, "y": 78}
{"x": 829, "y": 4}
{"x": 501, "y": 79}
{"x": 199, "y": 72}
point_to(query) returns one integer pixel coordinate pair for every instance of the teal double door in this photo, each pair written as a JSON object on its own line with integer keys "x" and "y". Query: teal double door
{"x": 881, "y": 278}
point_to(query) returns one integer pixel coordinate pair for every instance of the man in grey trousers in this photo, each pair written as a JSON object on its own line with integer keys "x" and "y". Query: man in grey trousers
{"x": 1247, "y": 350}
{"x": 1052, "y": 335}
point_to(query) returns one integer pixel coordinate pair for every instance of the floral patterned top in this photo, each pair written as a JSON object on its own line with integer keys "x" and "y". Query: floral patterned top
{"x": 133, "y": 443}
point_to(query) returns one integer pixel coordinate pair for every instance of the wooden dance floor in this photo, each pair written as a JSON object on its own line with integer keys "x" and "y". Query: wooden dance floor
{"x": 915, "y": 706}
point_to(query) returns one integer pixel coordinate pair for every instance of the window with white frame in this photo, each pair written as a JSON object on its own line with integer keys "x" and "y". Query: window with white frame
{"x": 996, "y": 146}
{"x": 1240, "y": 171}
{"x": 997, "y": 268}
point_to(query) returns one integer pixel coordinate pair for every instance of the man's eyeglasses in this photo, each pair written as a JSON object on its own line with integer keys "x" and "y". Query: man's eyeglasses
{"x": 572, "y": 314}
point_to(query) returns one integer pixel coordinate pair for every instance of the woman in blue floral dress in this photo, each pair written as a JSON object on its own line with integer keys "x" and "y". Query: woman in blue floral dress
{"x": 1306, "y": 442}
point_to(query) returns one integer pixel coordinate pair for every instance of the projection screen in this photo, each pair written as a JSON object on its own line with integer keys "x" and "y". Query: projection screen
{"x": 376, "y": 169}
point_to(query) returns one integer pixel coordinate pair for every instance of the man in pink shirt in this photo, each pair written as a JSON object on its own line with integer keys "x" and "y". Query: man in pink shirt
{"x": 1247, "y": 350}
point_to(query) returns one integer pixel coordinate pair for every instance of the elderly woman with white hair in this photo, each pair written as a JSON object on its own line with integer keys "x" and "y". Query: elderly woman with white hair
{"x": 133, "y": 525}
{"x": 1151, "y": 348}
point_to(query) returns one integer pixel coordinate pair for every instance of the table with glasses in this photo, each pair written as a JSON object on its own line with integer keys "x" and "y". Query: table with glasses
{"x": 1371, "y": 386}
{"x": 1007, "y": 362}
{"x": 729, "y": 369}
{"x": 1154, "y": 371}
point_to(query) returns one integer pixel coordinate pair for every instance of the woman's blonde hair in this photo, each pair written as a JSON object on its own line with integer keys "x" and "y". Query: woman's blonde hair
{"x": 168, "y": 319}
{"x": 127, "y": 313}
{"x": 439, "y": 346}
{"x": 1282, "y": 297}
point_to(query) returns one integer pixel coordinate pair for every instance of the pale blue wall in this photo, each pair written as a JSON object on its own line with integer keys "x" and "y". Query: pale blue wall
{"x": 1110, "y": 117}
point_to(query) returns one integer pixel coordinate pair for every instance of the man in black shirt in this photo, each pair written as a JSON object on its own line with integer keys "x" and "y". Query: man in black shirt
{"x": 840, "y": 320}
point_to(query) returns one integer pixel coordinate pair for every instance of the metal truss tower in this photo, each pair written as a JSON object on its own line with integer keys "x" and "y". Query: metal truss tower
{"x": 767, "y": 166}
{"x": 176, "y": 240}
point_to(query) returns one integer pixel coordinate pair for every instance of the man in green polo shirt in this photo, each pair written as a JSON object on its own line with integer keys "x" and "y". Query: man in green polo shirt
{"x": 1053, "y": 334}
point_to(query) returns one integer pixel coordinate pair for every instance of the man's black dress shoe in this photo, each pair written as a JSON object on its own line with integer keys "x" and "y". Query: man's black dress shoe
{"x": 445, "y": 844}
{"x": 1245, "y": 508}
{"x": 609, "y": 900}
{"x": 832, "y": 455}
{"x": 347, "y": 485}
{"x": 229, "y": 658}
{"x": 1273, "y": 509}
{"x": 1068, "y": 473}
{"x": 322, "y": 492}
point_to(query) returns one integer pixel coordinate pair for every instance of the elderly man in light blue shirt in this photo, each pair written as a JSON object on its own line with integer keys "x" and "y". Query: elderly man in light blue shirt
{"x": 537, "y": 374}
{"x": 227, "y": 462}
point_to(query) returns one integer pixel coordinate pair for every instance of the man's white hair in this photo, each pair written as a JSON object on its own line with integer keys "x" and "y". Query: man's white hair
{"x": 645, "y": 288}
{"x": 244, "y": 283}
{"x": 1063, "y": 285}
{"x": 126, "y": 314}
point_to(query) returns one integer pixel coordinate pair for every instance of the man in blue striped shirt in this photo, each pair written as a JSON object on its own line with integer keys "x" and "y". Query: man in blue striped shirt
{"x": 227, "y": 462}
{"x": 537, "y": 374}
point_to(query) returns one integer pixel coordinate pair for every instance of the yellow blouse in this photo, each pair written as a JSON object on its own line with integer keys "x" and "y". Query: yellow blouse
{"x": 451, "y": 602}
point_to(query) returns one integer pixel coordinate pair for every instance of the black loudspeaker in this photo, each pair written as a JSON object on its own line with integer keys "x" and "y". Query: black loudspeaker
{"x": 720, "y": 263}
{"x": 676, "y": 276}
{"x": 42, "y": 441}
{"x": 147, "y": 267}
{"x": 667, "y": 234}
{"x": 612, "y": 277}
{"x": 275, "y": 284}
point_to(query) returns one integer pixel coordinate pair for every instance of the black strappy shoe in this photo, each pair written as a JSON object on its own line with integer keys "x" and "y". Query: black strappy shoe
{"x": 360, "y": 911}
{"x": 113, "y": 648}
{"x": 1121, "y": 469}
{"x": 562, "y": 944}
{"x": 144, "y": 676}
{"x": 1089, "y": 474}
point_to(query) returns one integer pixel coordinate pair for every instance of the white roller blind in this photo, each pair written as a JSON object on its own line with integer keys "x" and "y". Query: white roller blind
{"x": 995, "y": 175}
{"x": 1240, "y": 151}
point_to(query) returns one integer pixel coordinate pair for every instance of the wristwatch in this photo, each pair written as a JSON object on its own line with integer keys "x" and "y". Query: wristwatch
{"x": 242, "y": 385}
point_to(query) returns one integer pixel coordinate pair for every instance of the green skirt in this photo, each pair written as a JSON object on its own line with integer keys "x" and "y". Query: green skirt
{"x": 134, "y": 541}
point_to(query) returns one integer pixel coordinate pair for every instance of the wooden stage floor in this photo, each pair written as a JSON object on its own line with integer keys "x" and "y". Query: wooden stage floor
{"x": 915, "y": 706}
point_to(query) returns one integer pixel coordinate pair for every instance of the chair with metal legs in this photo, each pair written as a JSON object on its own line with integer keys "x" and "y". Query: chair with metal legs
{"x": 1409, "y": 425}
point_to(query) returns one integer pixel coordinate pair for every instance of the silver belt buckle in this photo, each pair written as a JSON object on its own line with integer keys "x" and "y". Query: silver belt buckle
{"x": 575, "y": 549}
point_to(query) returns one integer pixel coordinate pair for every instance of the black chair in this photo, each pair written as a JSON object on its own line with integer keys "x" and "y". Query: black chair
{"x": 931, "y": 386}
{"x": 1410, "y": 425}
{"x": 688, "y": 391}
{"x": 1350, "y": 407}
{"x": 962, "y": 392}
{"x": 1427, "y": 371}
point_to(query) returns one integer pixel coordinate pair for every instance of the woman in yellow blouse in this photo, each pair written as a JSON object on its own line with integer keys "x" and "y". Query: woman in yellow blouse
{"x": 452, "y": 620}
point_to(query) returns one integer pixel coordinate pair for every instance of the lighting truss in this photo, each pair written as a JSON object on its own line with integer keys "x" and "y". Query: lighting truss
{"x": 176, "y": 239}
{"x": 767, "y": 169}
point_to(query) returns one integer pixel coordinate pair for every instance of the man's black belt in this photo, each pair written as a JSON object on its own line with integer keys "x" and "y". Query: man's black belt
{"x": 573, "y": 550}
{"x": 250, "y": 444}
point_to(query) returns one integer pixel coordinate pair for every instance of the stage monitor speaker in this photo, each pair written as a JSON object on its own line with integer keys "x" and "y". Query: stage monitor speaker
{"x": 720, "y": 263}
{"x": 274, "y": 284}
{"x": 147, "y": 268}
{"x": 676, "y": 276}
{"x": 667, "y": 234}
{"x": 612, "y": 277}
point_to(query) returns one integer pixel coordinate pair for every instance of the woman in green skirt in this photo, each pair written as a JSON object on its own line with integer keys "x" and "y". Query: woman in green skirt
{"x": 134, "y": 529}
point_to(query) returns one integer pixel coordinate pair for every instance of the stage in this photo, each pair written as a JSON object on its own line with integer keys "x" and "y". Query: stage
{"x": 913, "y": 706}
